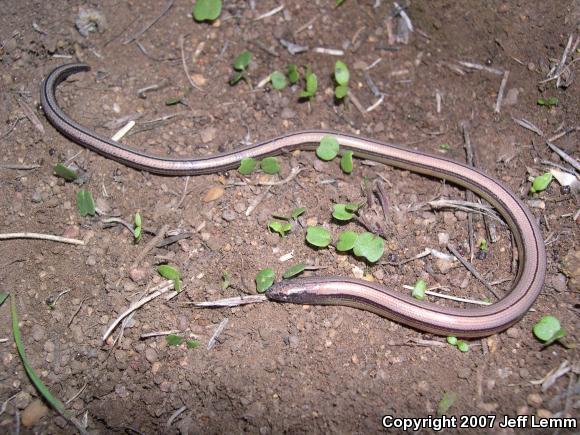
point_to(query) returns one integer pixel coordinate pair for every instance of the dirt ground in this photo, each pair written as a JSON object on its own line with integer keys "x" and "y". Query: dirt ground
{"x": 276, "y": 368}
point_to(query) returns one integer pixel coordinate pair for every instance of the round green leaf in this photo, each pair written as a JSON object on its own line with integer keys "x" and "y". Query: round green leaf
{"x": 207, "y": 10}
{"x": 346, "y": 241}
{"x": 247, "y": 166}
{"x": 328, "y": 148}
{"x": 369, "y": 246}
{"x": 270, "y": 165}
{"x": 318, "y": 236}
{"x": 548, "y": 328}
{"x": 341, "y": 213}
{"x": 85, "y": 203}
{"x": 264, "y": 279}
{"x": 294, "y": 270}
{"x": 297, "y": 212}
{"x": 311, "y": 85}
{"x": 340, "y": 92}
{"x": 346, "y": 162}
{"x": 462, "y": 346}
{"x": 341, "y": 73}
{"x": 174, "y": 340}
{"x": 418, "y": 291}
{"x": 275, "y": 226}
{"x": 278, "y": 80}
{"x": 541, "y": 182}
{"x": 242, "y": 61}
{"x": 293, "y": 73}
{"x": 452, "y": 340}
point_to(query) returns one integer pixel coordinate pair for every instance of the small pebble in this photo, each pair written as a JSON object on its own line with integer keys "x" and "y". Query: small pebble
{"x": 213, "y": 194}
{"x": 33, "y": 413}
{"x": 355, "y": 359}
{"x": 151, "y": 355}
{"x": 22, "y": 400}
{"x": 534, "y": 400}
{"x": 137, "y": 274}
{"x": 544, "y": 413}
{"x": 229, "y": 215}
{"x": 293, "y": 341}
{"x": 36, "y": 197}
{"x": 91, "y": 260}
{"x": 287, "y": 113}
{"x": 208, "y": 134}
{"x": 513, "y": 332}
{"x": 443, "y": 239}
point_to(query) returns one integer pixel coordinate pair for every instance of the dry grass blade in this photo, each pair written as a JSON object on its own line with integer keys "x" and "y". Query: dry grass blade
{"x": 232, "y": 302}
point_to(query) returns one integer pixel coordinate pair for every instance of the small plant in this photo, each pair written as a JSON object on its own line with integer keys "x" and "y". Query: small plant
{"x": 369, "y": 246}
{"x": 85, "y": 203}
{"x": 294, "y": 270}
{"x": 548, "y": 330}
{"x": 280, "y": 227}
{"x": 346, "y": 241}
{"x": 552, "y": 101}
{"x": 264, "y": 280}
{"x": 483, "y": 245}
{"x": 459, "y": 344}
{"x": 176, "y": 340}
{"x": 444, "y": 147}
{"x": 541, "y": 182}
{"x": 446, "y": 402}
{"x": 346, "y": 163}
{"x": 311, "y": 85}
{"x": 65, "y": 172}
{"x": 207, "y": 10}
{"x": 137, "y": 229}
{"x": 419, "y": 289}
{"x": 297, "y": 212}
{"x": 339, "y": 2}
{"x": 342, "y": 76}
{"x": 172, "y": 274}
{"x": 240, "y": 64}
{"x": 345, "y": 212}
{"x": 318, "y": 236}
{"x": 278, "y": 80}
{"x": 328, "y": 148}
{"x": 247, "y": 165}
{"x": 270, "y": 165}
{"x": 293, "y": 75}
{"x": 226, "y": 280}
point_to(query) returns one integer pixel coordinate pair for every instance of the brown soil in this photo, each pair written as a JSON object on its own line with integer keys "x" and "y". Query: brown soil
{"x": 276, "y": 368}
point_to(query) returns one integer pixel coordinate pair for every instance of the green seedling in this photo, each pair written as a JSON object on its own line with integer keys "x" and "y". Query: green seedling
{"x": 293, "y": 75}
{"x": 207, "y": 10}
{"x": 346, "y": 241}
{"x": 311, "y": 85}
{"x": 192, "y": 344}
{"x": 318, "y": 236}
{"x": 270, "y": 165}
{"x": 85, "y": 203}
{"x": 226, "y": 280}
{"x": 297, "y": 212}
{"x": 264, "y": 280}
{"x": 369, "y": 246}
{"x": 176, "y": 340}
{"x": 541, "y": 182}
{"x": 483, "y": 245}
{"x": 172, "y": 274}
{"x": 280, "y": 227}
{"x": 65, "y": 172}
{"x": 419, "y": 289}
{"x": 346, "y": 163}
{"x": 341, "y": 76}
{"x": 247, "y": 165}
{"x": 446, "y": 402}
{"x": 339, "y": 2}
{"x": 137, "y": 229}
{"x": 444, "y": 147}
{"x": 240, "y": 64}
{"x": 278, "y": 80}
{"x": 344, "y": 212}
{"x": 552, "y": 101}
{"x": 459, "y": 344}
{"x": 328, "y": 148}
{"x": 548, "y": 330}
{"x": 294, "y": 270}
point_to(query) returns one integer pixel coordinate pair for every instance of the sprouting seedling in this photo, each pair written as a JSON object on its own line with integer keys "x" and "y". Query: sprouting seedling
{"x": 328, "y": 148}
{"x": 548, "y": 330}
{"x": 448, "y": 399}
{"x": 240, "y": 64}
{"x": 297, "y": 212}
{"x": 419, "y": 289}
{"x": 137, "y": 229}
{"x": 85, "y": 203}
{"x": 311, "y": 85}
{"x": 269, "y": 165}
{"x": 226, "y": 280}
{"x": 369, "y": 246}
{"x": 483, "y": 245}
{"x": 342, "y": 76}
{"x": 172, "y": 274}
{"x": 459, "y": 344}
{"x": 265, "y": 279}
{"x": 339, "y": 2}
{"x": 444, "y": 147}
{"x": 318, "y": 236}
{"x": 278, "y": 80}
{"x": 176, "y": 340}
{"x": 207, "y": 10}
{"x": 346, "y": 163}
{"x": 280, "y": 227}
{"x": 293, "y": 75}
{"x": 294, "y": 270}
{"x": 65, "y": 172}
{"x": 552, "y": 101}
{"x": 541, "y": 182}
{"x": 345, "y": 212}
{"x": 346, "y": 241}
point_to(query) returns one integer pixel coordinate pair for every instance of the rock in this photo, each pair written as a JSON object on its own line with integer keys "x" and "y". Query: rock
{"x": 137, "y": 274}
{"x": 151, "y": 355}
{"x": 443, "y": 239}
{"x": 36, "y": 197}
{"x": 511, "y": 98}
{"x": 229, "y": 215}
{"x": 91, "y": 260}
{"x": 557, "y": 282}
{"x": 208, "y": 134}
{"x": 22, "y": 400}
{"x": 570, "y": 266}
{"x": 461, "y": 215}
{"x": 38, "y": 332}
{"x": 544, "y": 413}
{"x": 33, "y": 413}
{"x": 354, "y": 359}
{"x": 534, "y": 400}
{"x": 287, "y": 113}
{"x": 449, "y": 218}
{"x": 513, "y": 332}
{"x": 214, "y": 194}
{"x": 444, "y": 266}
{"x": 293, "y": 341}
